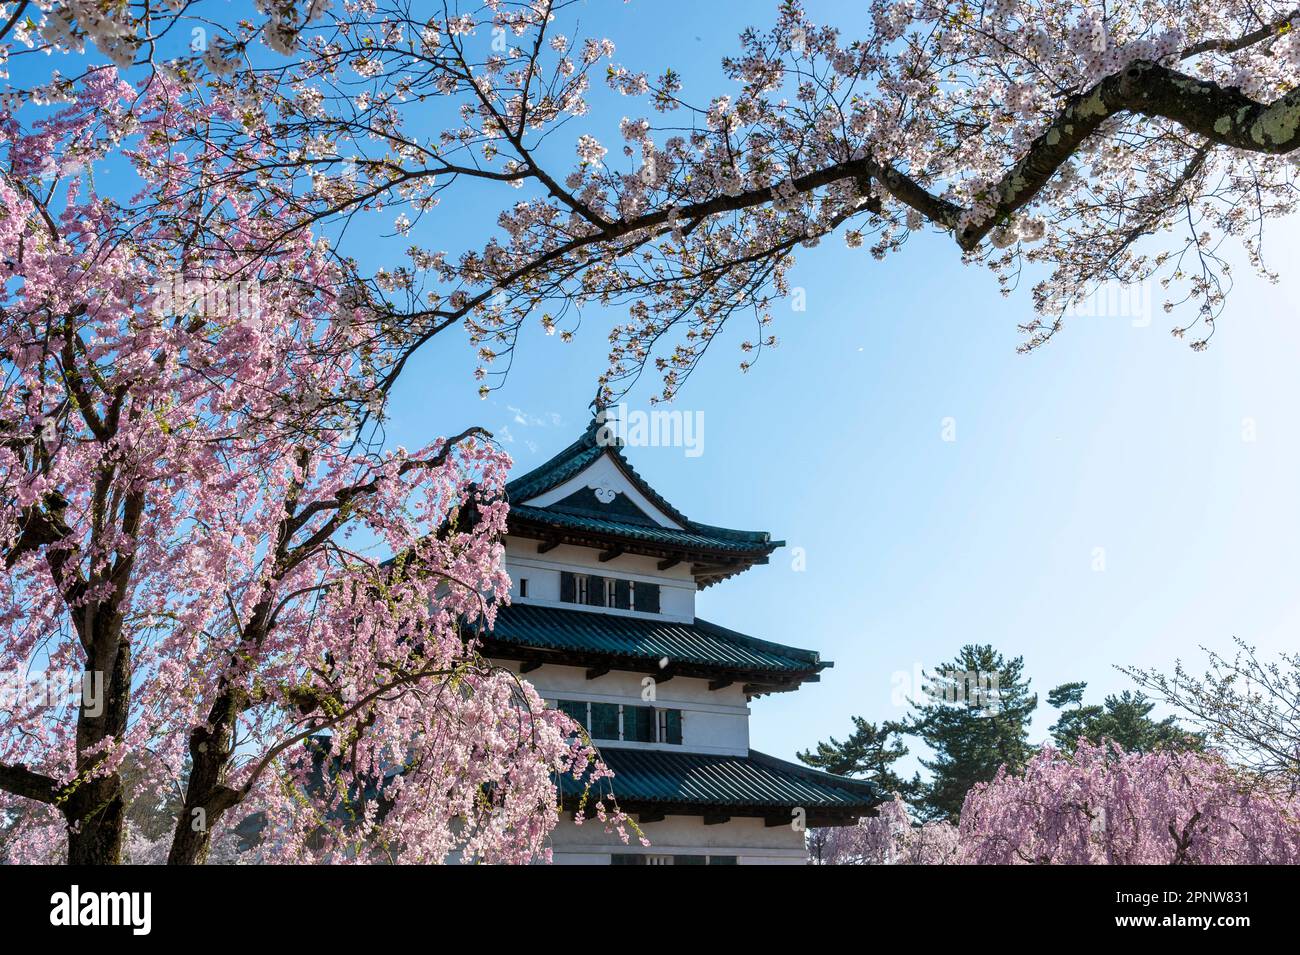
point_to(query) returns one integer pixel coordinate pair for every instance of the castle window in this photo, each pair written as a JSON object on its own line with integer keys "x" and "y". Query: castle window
{"x": 670, "y": 727}
{"x": 523, "y": 586}
{"x": 639, "y": 858}
{"x": 588, "y": 589}
{"x": 604, "y": 721}
{"x": 592, "y": 590}
{"x": 574, "y": 709}
{"x": 645, "y": 597}
{"x": 639, "y": 724}
{"x": 645, "y": 858}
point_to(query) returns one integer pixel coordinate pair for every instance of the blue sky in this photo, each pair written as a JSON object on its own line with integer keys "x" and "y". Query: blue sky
{"x": 1114, "y": 436}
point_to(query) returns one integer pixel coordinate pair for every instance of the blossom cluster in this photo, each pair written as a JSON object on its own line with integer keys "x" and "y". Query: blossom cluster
{"x": 192, "y": 517}
{"x": 1097, "y": 806}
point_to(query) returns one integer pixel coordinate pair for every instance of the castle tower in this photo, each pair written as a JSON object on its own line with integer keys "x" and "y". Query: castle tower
{"x": 602, "y": 622}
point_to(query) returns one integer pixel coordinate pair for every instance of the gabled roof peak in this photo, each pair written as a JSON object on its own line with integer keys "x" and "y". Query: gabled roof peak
{"x": 718, "y": 552}
{"x": 598, "y": 438}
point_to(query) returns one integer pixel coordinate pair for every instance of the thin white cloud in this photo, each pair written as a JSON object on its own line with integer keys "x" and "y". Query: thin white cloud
{"x": 528, "y": 420}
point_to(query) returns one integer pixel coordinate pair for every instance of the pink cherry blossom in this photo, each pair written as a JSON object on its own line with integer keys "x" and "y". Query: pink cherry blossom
{"x": 192, "y": 522}
{"x": 1104, "y": 806}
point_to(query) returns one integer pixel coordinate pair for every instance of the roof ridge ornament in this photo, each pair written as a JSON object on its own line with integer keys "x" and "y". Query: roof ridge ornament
{"x": 606, "y": 429}
{"x": 604, "y": 395}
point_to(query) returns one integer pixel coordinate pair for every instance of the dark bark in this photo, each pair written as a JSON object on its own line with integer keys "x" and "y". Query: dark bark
{"x": 22, "y": 781}
{"x": 206, "y": 796}
{"x": 94, "y": 805}
{"x": 99, "y": 831}
{"x": 1223, "y": 115}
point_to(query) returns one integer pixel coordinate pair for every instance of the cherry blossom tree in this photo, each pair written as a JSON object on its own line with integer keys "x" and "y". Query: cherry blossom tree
{"x": 1069, "y": 142}
{"x": 891, "y": 837}
{"x": 1073, "y": 142}
{"x": 1247, "y": 706}
{"x": 189, "y": 530}
{"x": 1104, "y": 806}
{"x": 1096, "y": 806}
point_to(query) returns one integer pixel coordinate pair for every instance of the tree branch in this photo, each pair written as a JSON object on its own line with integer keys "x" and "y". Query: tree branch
{"x": 22, "y": 781}
{"x": 1225, "y": 116}
{"x": 1265, "y": 32}
{"x": 348, "y": 494}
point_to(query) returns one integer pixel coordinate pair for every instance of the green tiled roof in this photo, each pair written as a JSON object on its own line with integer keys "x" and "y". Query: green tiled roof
{"x": 701, "y": 643}
{"x": 582, "y": 453}
{"x": 756, "y": 781}
{"x": 558, "y": 469}
{"x": 699, "y": 537}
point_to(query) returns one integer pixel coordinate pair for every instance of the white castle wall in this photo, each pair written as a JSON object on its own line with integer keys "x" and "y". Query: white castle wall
{"x": 713, "y": 721}
{"x": 749, "y": 839}
{"x": 542, "y": 571}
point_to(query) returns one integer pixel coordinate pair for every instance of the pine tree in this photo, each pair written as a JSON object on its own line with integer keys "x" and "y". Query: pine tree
{"x": 976, "y": 720}
{"x": 1075, "y": 718}
{"x": 869, "y": 752}
{"x": 1125, "y": 719}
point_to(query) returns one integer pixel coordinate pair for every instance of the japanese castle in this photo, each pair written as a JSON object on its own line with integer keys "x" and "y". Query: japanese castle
{"x": 602, "y": 622}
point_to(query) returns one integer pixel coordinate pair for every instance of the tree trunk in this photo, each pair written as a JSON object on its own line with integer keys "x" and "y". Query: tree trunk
{"x": 95, "y": 809}
{"x": 206, "y": 797}
{"x": 189, "y": 846}
{"x": 97, "y": 826}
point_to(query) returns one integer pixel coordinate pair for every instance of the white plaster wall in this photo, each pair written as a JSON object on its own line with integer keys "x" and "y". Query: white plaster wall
{"x": 753, "y": 842}
{"x": 676, "y": 586}
{"x": 713, "y": 721}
